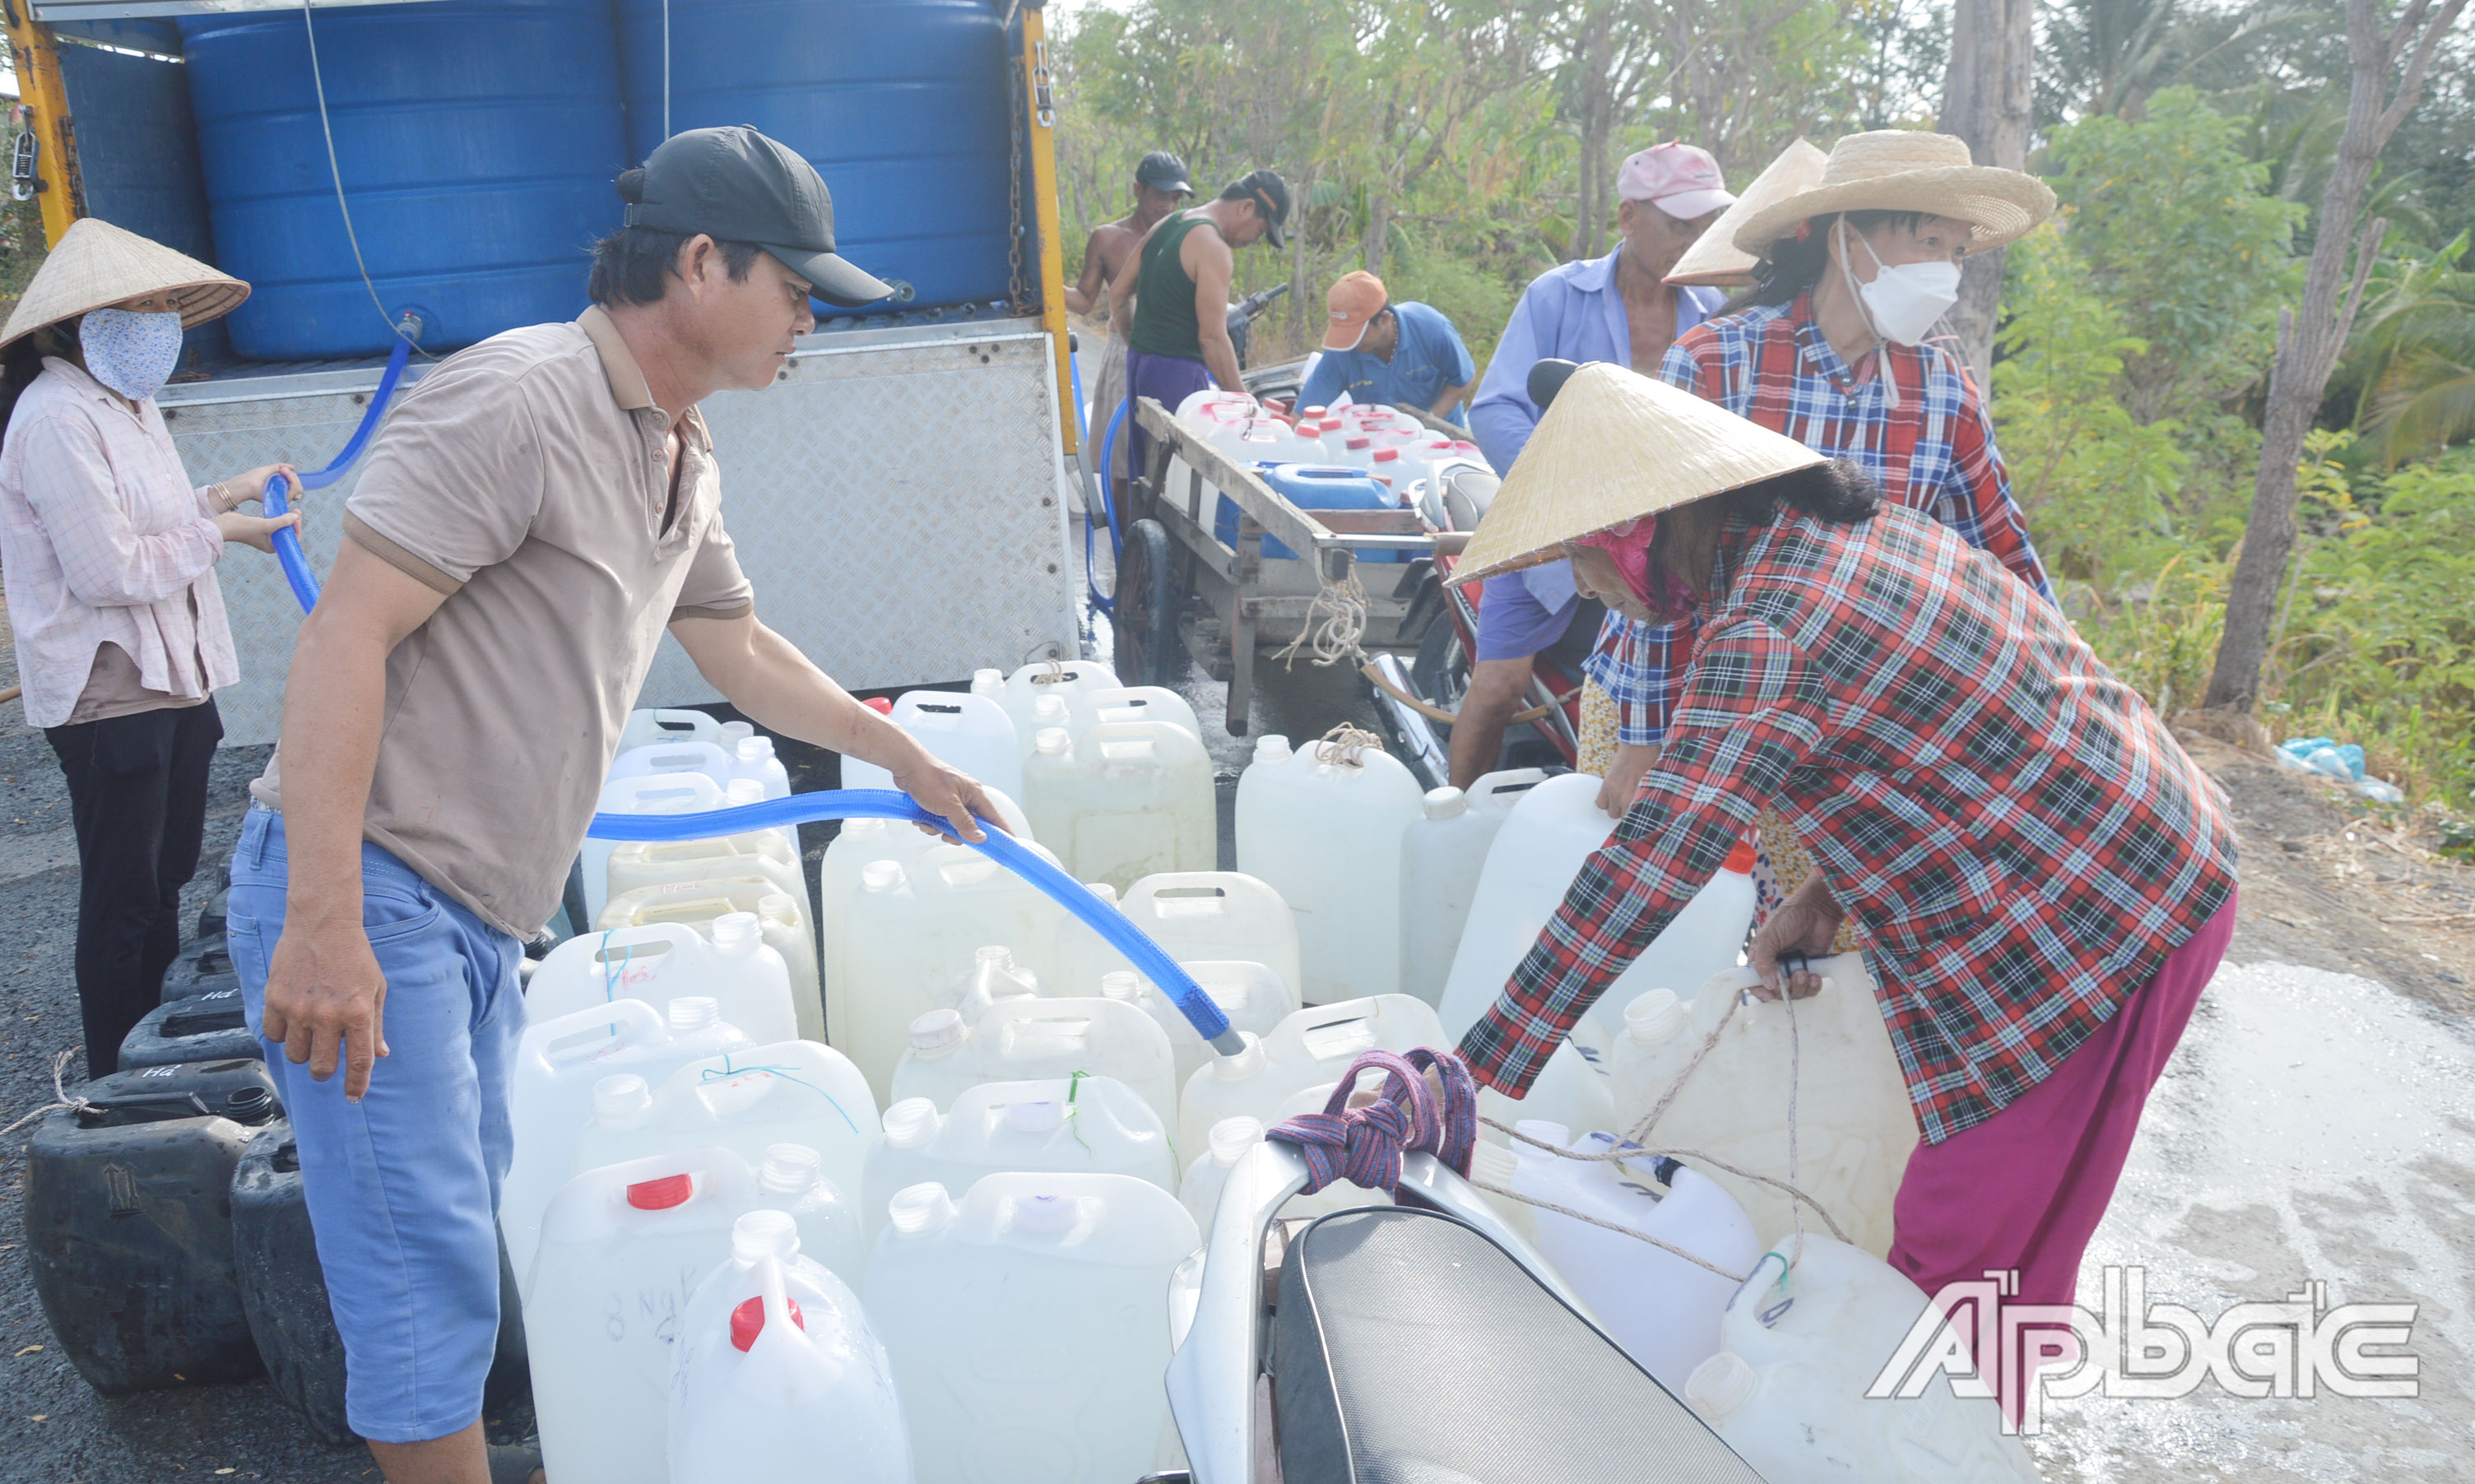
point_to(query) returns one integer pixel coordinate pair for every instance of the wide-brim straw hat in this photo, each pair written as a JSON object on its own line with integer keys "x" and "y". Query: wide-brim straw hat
{"x": 1714, "y": 259}
{"x": 1902, "y": 170}
{"x": 1615, "y": 446}
{"x": 98, "y": 265}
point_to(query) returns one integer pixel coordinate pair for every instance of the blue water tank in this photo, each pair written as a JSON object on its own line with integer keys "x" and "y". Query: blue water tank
{"x": 1315, "y": 487}
{"x": 901, "y": 105}
{"x": 478, "y": 144}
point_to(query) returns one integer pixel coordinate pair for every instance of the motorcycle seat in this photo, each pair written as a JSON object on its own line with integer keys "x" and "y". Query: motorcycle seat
{"x": 1408, "y": 1349}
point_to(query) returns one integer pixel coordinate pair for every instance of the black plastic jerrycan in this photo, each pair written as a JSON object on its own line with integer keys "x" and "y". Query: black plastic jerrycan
{"x": 203, "y": 968}
{"x": 284, "y": 1290}
{"x": 129, "y": 1223}
{"x": 203, "y": 1027}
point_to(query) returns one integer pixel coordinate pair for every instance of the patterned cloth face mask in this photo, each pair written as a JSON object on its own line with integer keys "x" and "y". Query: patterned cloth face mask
{"x": 130, "y": 351}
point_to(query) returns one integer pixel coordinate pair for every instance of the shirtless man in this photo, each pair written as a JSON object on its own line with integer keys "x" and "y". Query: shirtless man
{"x": 1159, "y": 184}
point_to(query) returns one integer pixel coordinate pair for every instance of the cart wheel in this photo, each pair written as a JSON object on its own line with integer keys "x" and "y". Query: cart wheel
{"x": 1145, "y": 617}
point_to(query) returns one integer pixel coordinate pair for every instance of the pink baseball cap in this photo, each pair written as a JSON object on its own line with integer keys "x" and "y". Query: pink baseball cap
{"x": 1681, "y": 180}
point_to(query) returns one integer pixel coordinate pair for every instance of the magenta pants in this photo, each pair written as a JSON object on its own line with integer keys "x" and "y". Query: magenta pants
{"x": 2024, "y": 1190}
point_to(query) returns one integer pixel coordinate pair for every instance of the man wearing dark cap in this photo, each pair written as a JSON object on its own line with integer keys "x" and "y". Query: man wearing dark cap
{"x": 537, "y": 513}
{"x": 1175, "y": 303}
{"x": 1160, "y": 185}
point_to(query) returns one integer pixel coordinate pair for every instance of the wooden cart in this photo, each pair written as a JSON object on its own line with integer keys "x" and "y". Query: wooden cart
{"x": 1180, "y": 587}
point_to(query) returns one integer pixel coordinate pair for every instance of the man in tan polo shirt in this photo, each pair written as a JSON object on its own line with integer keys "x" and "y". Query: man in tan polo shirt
{"x": 537, "y": 513}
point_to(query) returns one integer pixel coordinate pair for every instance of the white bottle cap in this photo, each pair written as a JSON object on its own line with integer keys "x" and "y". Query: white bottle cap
{"x": 936, "y": 1033}
{"x": 1046, "y": 1214}
{"x": 862, "y": 829}
{"x": 620, "y": 1099}
{"x": 1232, "y": 1137}
{"x": 733, "y": 733}
{"x": 1103, "y": 891}
{"x": 745, "y": 791}
{"x": 690, "y": 1013}
{"x": 995, "y": 955}
{"x": 1121, "y": 985}
{"x": 1244, "y": 1064}
{"x": 754, "y": 750}
{"x": 1492, "y": 1163}
{"x": 1720, "y": 1385}
{"x": 1052, "y": 741}
{"x": 1656, "y": 1016}
{"x": 1446, "y": 803}
{"x": 1050, "y": 709}
{"x": 767, "y": 1233}
{"x": 789, "y": 1168}
{"x": 910, "y": 1123}
{"x": 880, "y": 876}
{"x": 915, "y": 1210}
{"x": 1544, "y": 1131}
{"x": 737, "y": 933}
{"x": 1044, "y": 1116}
{"x": 984, "y": 682}
{"x": 1272, "y": 748}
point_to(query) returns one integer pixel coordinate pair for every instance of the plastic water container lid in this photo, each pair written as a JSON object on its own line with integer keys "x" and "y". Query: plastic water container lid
{"x": 1739, "y": 859}
{"x": 1491, "y": 1163}
{"x": 1121, "y": 985}
{"x": 936, "y": 1033}
{"x": 878, "y": 704}
{"x": 752, "y": 748}
{"x": 1656, "y": 1016}
{"x": 737, "y": 933}
{"x": 1271, "y": 747}
{"x": 745, "y": 791}
{"x": 733, "y": 731}
{"x": 765, "y": 1233}
{"x": 1103, "y": 891}
{"x": 1046, "y": 1215}
{"x": 660, "y": 1195}
{"x": 1358, "y": 441}
{"x": 1721, "y": 1384}
{"x": 983, "y": 681}
{"x": 747, "y": 1321}
{"x": 880, "y": 875}
{"x": 788, "y": 1169}
{"x": 1545, "y": 1131}
{"x": 1232, "y": 1137}
{"x": 1049, "y": 708}
{"x": 616, "y": 1098}
{"x": 1245, "y": 1062}
{"x": 1446, "y": 803}
{"x": 1047, "y": 1115}
{"x": 997, "y": 954}
{"x": 912, "y": 1123}
{"x": 1052, "y": 741}
{"x": 915, "y": 1210}
{"x": 690, "y": 1013}
{"x": 1386, "y": 456}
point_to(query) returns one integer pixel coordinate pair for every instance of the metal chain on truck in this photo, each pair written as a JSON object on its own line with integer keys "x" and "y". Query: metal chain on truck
{"x": 1017, "y": 294}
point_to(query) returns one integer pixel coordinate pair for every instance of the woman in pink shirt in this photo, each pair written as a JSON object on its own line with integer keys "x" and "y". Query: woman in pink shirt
{"x": 109, "y": 555}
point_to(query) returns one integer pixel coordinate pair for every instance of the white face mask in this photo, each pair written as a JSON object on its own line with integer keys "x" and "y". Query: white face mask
{"x": 1903, "y": 301}
{"x": 129, "y": 350}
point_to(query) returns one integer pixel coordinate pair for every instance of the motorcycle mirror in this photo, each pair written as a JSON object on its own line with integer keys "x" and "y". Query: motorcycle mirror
{"x": 1548, "y": 377}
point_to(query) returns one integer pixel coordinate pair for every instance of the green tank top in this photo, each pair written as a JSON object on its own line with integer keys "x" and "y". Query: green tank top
{"x": 1165, "y": 322}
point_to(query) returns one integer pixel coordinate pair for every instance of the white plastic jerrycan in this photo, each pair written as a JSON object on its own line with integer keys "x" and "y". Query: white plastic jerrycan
{"x": 1125, "y": 800}
{"x": 778, "y": 1372}
{"x": 1662, "y": 1309}
{"x": 1227, "y": 1142}
{"x": 1856, "y": 1127}
{"x": 650, "y": 793}
{"x": 1029, "y": 1324}
{"x": 1554, "y": 829}
{"x": 1138, "y": 703}
{"x": 662, "y": 962}
{"x": 791, "y": 1092}
{"x": 1252, "y": 996}
{"x": 859, "y": 844}
{"x": 1322, "y": 827}
{"x": 1070, "y": 1123}
{"x": 1059, "y": 678}
{"x": 964, "y": 731}
{"x": 1309, "y": 1048}
{"x": 644, "y": 862}
{"x": 832, "y": 1229}
{"x": 1443, "y": 853}
{"x": 911, "y": 933}
{"x": 646, "y": 727}
{"x": 993, "y": 976}
{"x": 622, "y": 1247}
{"x": 781, "y": 924}
{"x": 1573, "y": 1088}
{"x": 1219, "y": 917}
{"x": 1020, "y": 1041}
{"x": 557, "y": 1064}
{"x": 687, "y": 756}
{"x": 1801, "y": 1342}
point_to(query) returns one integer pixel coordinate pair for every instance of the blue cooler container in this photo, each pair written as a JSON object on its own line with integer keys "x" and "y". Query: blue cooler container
{"x": 1315, "y": 487}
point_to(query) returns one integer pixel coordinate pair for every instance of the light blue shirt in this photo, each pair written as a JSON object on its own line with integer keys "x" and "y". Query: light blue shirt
{"x": 1575, "y": 312}
{"x": 1429, "y": 358}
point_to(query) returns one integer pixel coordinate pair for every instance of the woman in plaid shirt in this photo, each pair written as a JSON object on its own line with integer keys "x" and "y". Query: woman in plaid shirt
{"x": 2041, "y": 879}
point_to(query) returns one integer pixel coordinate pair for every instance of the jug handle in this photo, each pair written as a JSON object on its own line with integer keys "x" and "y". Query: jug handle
{"x": 622, "y": 1015}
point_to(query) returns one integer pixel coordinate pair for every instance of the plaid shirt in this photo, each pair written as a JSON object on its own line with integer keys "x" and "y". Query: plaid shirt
{"x": 2012, "y": 830}
{"x": 1933, "y": 453}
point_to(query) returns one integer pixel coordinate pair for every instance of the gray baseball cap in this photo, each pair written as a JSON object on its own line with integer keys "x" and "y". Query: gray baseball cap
{"x": 1162, "y": 170}
{"x": 737, "y": 185}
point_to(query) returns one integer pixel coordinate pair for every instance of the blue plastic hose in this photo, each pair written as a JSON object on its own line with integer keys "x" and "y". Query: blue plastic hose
{"x": 1146, "y": 956}
{"x": 287, "y": 540}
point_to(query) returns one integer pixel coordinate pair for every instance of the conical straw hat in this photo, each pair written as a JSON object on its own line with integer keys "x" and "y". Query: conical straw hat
{"x": 1900, "y": 170}
{"x": 1715, "y": 259}
{"x": 1616, "y": 445}
{"x": 98, "y": 265}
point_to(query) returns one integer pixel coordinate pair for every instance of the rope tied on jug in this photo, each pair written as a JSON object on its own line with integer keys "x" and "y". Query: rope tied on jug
{"x": 62, "y": 1095}
{"x": 1347, "y": 745}
{"x": 1055, "y": 674}
{"x": 1364, "y": 1145}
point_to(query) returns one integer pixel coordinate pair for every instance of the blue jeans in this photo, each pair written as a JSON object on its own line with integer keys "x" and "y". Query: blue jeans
{"x": 402, "y": 1186}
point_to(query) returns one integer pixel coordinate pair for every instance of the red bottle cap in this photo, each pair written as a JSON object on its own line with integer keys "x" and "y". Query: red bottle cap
{"x": 747, "y": 1321}
{"x": 660, "y": 1195}
{"x": 1741, "y": 859}
{"x": 879, "y": 704}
